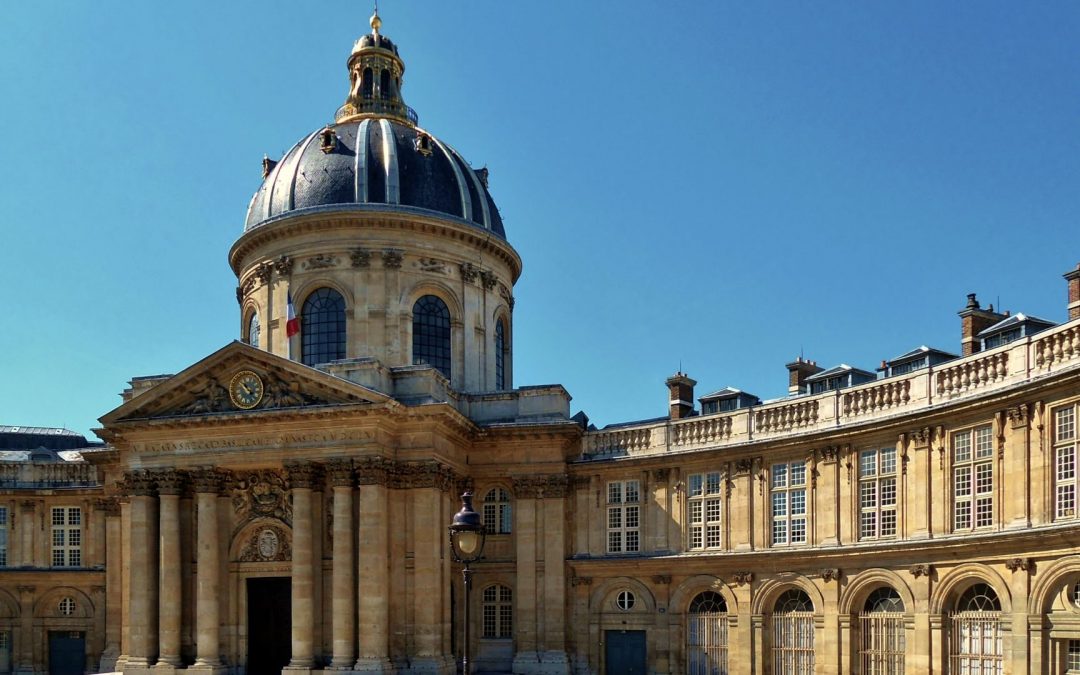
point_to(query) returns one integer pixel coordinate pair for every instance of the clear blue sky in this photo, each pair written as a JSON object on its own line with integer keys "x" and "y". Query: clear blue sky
{"x": 722, "y": 185}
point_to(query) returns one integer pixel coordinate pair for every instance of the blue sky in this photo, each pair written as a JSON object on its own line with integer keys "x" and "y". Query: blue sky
{"x": 713, "y": 184}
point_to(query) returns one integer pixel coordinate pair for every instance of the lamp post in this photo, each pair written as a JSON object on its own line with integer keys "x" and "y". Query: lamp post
{"x": 466, "y": 544}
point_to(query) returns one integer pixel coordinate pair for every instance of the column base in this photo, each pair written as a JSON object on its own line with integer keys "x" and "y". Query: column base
{"x": 165, "y": 668}
{"x": 433, "y": 665}
{"x": 109, "y": 657}
{"x": 138, "y": 666}
{"x": 541, "y": 663}
{"x": 206, "y": 668}
{"x": 374, "y": 664}
{"x": 298, "y": 669}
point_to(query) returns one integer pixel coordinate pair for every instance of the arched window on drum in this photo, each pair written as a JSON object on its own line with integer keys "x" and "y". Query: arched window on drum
{"x": 707, "y": 635}
{"x": 431, "y": 333}
{"x": 253, "y": 330}
{"x": 975, "y": 636}
{"x": 881, "y": 625}
{"x": 322, "y": 327}
{"x": 793, "y": 634}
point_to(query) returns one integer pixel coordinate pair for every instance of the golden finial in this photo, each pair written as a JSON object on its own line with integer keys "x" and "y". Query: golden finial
{"x": 376, "y": 22}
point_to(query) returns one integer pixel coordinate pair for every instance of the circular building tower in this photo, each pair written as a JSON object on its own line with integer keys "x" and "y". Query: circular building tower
{"x": 383, "y": 239}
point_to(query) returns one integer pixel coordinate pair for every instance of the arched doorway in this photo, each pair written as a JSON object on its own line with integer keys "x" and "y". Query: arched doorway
{"x": 707, "y": 635}
{"x": 881, "y": 628}
{"x": 975, "y": 635}
{"x": 793, "y": 634}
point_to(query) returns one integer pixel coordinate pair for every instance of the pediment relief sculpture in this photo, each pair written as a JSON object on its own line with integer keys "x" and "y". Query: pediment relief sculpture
{"x": 258, "y": 391}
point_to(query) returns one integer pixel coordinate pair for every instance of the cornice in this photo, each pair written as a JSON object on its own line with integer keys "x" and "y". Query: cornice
{"x": 349, "y": 217}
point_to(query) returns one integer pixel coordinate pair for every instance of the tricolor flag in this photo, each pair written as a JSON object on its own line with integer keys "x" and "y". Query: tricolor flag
{"x": 292, "y": 324}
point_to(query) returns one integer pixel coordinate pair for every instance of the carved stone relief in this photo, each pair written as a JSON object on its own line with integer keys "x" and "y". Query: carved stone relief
{"x": 261, "y": 494}
{"x": 270, "y": 543}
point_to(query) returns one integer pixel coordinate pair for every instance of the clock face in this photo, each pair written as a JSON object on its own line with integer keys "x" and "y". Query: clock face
{"x": 246, "y": 389}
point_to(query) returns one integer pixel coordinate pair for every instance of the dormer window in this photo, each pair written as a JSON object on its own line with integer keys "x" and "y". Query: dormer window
{"x": 423, "y": 144}
{"x": 1012, "y": 328}
{"x": 329, "y": 140}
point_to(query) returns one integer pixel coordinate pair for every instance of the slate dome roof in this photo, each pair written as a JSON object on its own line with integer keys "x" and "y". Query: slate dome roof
{"x": 369, "y": 162}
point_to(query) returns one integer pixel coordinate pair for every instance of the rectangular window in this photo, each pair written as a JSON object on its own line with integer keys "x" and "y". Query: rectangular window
{"x": 973, "y": 478}
{"x": 66, "y": 536}
{"x": 624, "y": 516}
{"x": 1065, "y": 483}
{"x": 788, "y": 498}
{"x": 4, "y": 520}
{"x": 705, "y": 508}
{"x": 877, "y": 493}
{"x": 1072, "y": 659}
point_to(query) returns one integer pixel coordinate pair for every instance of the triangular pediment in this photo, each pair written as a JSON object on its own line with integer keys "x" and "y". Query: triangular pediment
{"x": 242, "y": 379}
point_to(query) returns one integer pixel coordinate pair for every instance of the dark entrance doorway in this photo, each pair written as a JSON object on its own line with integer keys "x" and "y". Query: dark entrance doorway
{"x": 269, "y": 615}
{"x": 67, "y": 652}
{"x": 624, "y": 652}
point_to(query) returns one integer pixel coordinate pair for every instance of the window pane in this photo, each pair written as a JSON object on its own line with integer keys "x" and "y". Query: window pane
{"x": 431, "y": 333}
{"x": 322, "y": 327}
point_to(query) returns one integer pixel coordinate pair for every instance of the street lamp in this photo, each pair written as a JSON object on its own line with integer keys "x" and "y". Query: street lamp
{"x": 466, "y": 544}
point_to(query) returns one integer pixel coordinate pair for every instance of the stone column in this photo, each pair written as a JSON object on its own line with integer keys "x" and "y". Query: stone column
{"x": 429, "y": 546}
{"x": 24, "y": 652}
{"x": 553, "y": 490}
{"x": 208, "y": 575}
{"x": 169, "y": 484}
{"x": 301, "y": 480}
{"x": 110, "y": 508}
{"x": 344, "y": 597}
{"x": 373, "y": 569}
{"x": 142, "y": 608}
{"x": 525, "y": 620}
{"x": 26, "y": 534}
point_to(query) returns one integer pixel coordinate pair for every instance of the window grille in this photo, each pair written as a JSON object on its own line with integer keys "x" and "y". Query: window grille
{"x": 498, "y": 611}
{"x": 882, "y": 633}
{"x": 322, "y": 327}
{"x": 497, "y": 512}
{"x": 973, "y": 478}
{"x": 975, "y": 640}
{"x": 793, "y": 634}
{"x": 877, "y": 493}
{"x": 66, "y": 536}
{"x": 624, "y": 516}
{"x": 1065, "y": 479}
{"x": 625, "y": 600}
{"x": 705, "y": 508}
{"x": 707, "y": 635}
{"x": 431, "y": 333}
{"x": 67, "y": 606}
{"x": 788, "y": 490}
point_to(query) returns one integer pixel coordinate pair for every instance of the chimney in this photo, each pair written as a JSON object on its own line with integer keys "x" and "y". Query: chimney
{"x": 974, "y": 320}
{"x": 798, "y": 371}
{"x": 680, "y": 396}
{"x": 1073, "y": 277}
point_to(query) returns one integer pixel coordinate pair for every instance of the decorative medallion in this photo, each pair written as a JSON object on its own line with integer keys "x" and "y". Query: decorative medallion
{"x": 266, "y": 545}
{"x": 246, "y": 389}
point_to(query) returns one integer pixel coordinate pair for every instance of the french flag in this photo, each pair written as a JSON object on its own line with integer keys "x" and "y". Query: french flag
{"x": 292, "y": 324}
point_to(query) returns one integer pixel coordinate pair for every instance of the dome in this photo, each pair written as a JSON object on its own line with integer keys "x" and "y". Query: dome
{"x": 374, "y": 161}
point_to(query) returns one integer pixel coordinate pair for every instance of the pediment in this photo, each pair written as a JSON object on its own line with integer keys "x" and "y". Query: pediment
{"x": 204, "y": 388}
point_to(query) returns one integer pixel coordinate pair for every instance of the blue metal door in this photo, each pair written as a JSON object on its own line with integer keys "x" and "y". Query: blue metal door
{"x": 67, "y": 653}
{"x": 624, "y": 652}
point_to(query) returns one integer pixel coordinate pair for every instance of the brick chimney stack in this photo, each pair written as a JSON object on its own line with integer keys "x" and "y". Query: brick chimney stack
{"x": 680, "y": 396}
{"x": 798, "y": 371}
{"x": 1073, "y": 277}
{"x": 974, "y": 320}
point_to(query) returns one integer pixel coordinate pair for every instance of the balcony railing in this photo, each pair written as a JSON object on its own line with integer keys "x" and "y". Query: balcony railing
{"x": 976, "y": 375}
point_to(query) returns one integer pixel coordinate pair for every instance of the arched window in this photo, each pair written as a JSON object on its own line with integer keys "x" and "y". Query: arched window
{"x": 431, "y": 333}
{"x": 384, "y": 84}
{"x": 882, "y": 628}
{"x": 500, "y": 356}
{"x": 253, "y": 330}
{"x": 707, "y": 635}
{"x": 322, "y": 327}
{"x": 975, "y": 639}
{"x": 793, "y": 634}
{"x": 498, "y": 610}
{"x": 497, "y": 511}
{"x": 367, "y": 85}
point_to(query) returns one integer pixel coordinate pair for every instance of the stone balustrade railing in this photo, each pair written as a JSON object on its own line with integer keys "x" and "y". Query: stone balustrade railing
{"x": 50, "y": 475}
{"x": 700, "y": 430}
{"x": 888, "y": 394}
{"x": 971, "y": 374}
{"x": 618, "y": 440}
{"x": 981, "y": 373}
{"x": 1058, "y": 347}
